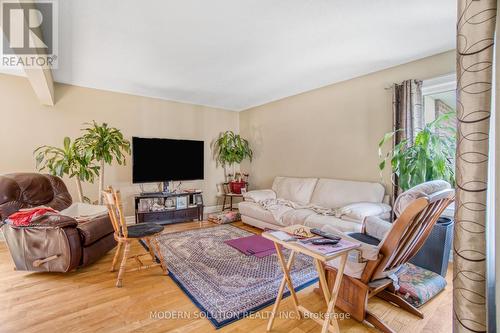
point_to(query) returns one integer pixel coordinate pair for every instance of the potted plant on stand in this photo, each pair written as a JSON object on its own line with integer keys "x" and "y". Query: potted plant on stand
{"x": 71, "y": 160}
{"x": 104, "y": 144}
{"x": 231, "y": 149}
{"x": 429, "y": 157}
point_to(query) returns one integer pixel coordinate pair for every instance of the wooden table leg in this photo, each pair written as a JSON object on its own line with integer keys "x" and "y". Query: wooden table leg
{"x": 281, "y": 288}
{"x": 330, "y": 312}
{"x": 224, "y": 203}
{"x": 286, "y": 271}
{"x": 322, "y": 280}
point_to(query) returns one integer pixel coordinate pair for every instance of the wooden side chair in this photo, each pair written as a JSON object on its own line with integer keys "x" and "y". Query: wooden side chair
{"x": 385, "y": 247}
{"x": 124, "y": 235}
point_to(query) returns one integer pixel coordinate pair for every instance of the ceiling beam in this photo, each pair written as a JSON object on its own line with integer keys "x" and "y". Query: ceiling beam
{"x": 40, "y": 77}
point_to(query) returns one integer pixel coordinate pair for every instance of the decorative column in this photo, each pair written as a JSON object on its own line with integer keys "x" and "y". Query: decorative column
{"x": 475, "y": 44}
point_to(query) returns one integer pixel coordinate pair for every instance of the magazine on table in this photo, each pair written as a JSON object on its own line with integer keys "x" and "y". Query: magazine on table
{"x": 329, "y": 248}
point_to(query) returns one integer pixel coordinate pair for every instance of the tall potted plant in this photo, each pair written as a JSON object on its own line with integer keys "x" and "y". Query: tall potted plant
{"x": 71, "y": 160}
{"x": 104, "y": 144}
{"x": 429, "y": 157}
{"x": 230, "y": 149}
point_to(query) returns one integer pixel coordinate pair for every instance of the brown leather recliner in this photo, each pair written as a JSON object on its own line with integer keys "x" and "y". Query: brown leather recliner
{"x": 54, "y": 243}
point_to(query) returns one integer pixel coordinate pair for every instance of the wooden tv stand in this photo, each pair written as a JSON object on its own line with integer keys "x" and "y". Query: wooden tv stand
{"x": 193, "y": 211}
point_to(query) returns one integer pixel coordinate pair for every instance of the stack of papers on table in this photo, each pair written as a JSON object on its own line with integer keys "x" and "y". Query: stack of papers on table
{"x": 342, "y": 245}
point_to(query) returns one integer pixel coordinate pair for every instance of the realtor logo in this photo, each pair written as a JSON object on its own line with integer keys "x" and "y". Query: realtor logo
{"x": 29, "y": 29}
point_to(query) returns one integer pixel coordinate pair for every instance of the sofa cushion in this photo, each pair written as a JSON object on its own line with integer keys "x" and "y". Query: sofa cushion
{"x": 297, "y": 216}
{"x": 298, "y": 190}
{"x": 359, "y": 210}
{"x": 95, "y": 229}
{"x": 319, "y": 221}
{"x": 256, "y": 211}
{"x": 334, "y": 193}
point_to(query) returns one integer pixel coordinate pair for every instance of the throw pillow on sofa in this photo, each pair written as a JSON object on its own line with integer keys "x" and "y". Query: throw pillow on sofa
{"x": 358, "y": 211}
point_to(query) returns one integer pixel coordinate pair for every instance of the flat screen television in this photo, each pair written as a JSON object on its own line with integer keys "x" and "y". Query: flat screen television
{"x": 162, "y": 160}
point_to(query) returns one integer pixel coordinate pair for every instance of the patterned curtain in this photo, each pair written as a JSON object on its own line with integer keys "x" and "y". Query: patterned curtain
{"x": 475, "y": 43}
{"x": 408, "y": 115}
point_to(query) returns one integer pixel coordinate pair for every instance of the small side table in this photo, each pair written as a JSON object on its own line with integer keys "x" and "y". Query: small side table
{"x": 230, "y": 196}
{"x": 330, "y": 322}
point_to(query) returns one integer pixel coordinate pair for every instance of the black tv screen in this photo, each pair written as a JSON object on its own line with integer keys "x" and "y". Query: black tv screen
{"x": 161, "y": 160}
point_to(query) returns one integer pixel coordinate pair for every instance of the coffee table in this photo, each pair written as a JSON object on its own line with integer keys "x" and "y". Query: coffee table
{"x": 330, "y": 321}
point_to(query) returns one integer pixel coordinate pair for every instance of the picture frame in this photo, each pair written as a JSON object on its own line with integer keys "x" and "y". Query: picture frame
{"x": 181, "y": 202}
{"x": 198, "y": 199}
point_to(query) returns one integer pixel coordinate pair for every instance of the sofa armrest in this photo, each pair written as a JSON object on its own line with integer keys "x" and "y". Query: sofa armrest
{"x": 376, "y": 227}
{"x": 259, "y": 195}
{"x": 360, "y": 210}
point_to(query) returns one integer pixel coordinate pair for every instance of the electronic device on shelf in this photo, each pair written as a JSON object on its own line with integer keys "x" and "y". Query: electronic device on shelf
{"x": 325, "y": 241}
{"x": 328, "y": 235}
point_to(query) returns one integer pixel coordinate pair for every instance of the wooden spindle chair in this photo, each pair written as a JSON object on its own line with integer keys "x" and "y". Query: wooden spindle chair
{"x": 406, "y": 236}
{"x": 124, "y": 235}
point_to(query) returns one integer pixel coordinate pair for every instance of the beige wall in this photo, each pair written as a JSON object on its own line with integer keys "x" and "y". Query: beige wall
{"x": 328, "y": 132}
{"x": 26, "y": 124}
{"x": 332, "y": 131}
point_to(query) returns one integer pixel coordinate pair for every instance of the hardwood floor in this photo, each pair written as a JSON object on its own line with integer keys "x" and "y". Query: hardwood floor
{"x": 87, "y": 301}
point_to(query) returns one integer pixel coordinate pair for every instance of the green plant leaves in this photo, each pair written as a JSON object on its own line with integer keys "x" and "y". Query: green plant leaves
{"x": 104, "y": 143}
{"x": 430, "y": 157}
{"x": 72, "y": 161}
{"x": 78, "y": 158}
{"x": 230, "y": 148}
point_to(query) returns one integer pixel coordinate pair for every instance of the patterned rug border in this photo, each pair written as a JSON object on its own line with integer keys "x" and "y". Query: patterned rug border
{"x": 228, "y": 321}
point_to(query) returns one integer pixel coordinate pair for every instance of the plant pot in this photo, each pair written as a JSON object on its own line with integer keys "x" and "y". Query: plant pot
{"x": 435, "y": 253}
{"x": 237, "y": 186}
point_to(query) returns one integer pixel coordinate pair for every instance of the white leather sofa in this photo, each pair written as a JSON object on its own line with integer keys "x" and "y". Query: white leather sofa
{"x": 355, "y": 200}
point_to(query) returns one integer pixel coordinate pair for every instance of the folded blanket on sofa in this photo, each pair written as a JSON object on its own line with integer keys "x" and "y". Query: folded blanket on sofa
{"x": 279, "y": 207}
{"x": 352, "y": 212}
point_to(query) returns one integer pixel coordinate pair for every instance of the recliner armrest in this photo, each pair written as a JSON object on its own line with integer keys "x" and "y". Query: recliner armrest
{"x": 376, "y": 227}
{"x": 50, "y": 222}
{"x": 259, "y": 195}
{"x": 368, "y": 251}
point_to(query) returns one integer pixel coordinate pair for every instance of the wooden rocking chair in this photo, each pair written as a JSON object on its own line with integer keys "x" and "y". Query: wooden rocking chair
{"x": 124, "y": 235}
{"x": 398, "y": 244}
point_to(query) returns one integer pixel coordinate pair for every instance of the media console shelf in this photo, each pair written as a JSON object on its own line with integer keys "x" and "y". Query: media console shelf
{"x": 162, "y": 208}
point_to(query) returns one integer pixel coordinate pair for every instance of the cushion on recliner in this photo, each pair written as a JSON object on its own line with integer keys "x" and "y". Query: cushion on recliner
{"x": 418, "y": 285}
{"x": 362, "y": 237}
{"x": 421, "y": 190}
{"x": 140, "y": 230}
{"x": 26, "y": 190}
{"x": 94, "y": 229}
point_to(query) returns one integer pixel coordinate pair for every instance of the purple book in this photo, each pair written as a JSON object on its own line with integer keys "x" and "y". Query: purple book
{"x": 253, "y": 245}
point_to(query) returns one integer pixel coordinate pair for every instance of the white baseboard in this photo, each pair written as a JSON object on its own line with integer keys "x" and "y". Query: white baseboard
{"x": 207, "y": 210}
{"x": 212, "y": 209}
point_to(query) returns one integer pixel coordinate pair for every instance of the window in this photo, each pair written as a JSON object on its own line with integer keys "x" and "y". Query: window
{"x": 439, "y": 97}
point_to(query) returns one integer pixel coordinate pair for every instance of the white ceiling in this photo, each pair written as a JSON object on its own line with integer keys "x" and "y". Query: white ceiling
{"x": 238, "y": 54}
